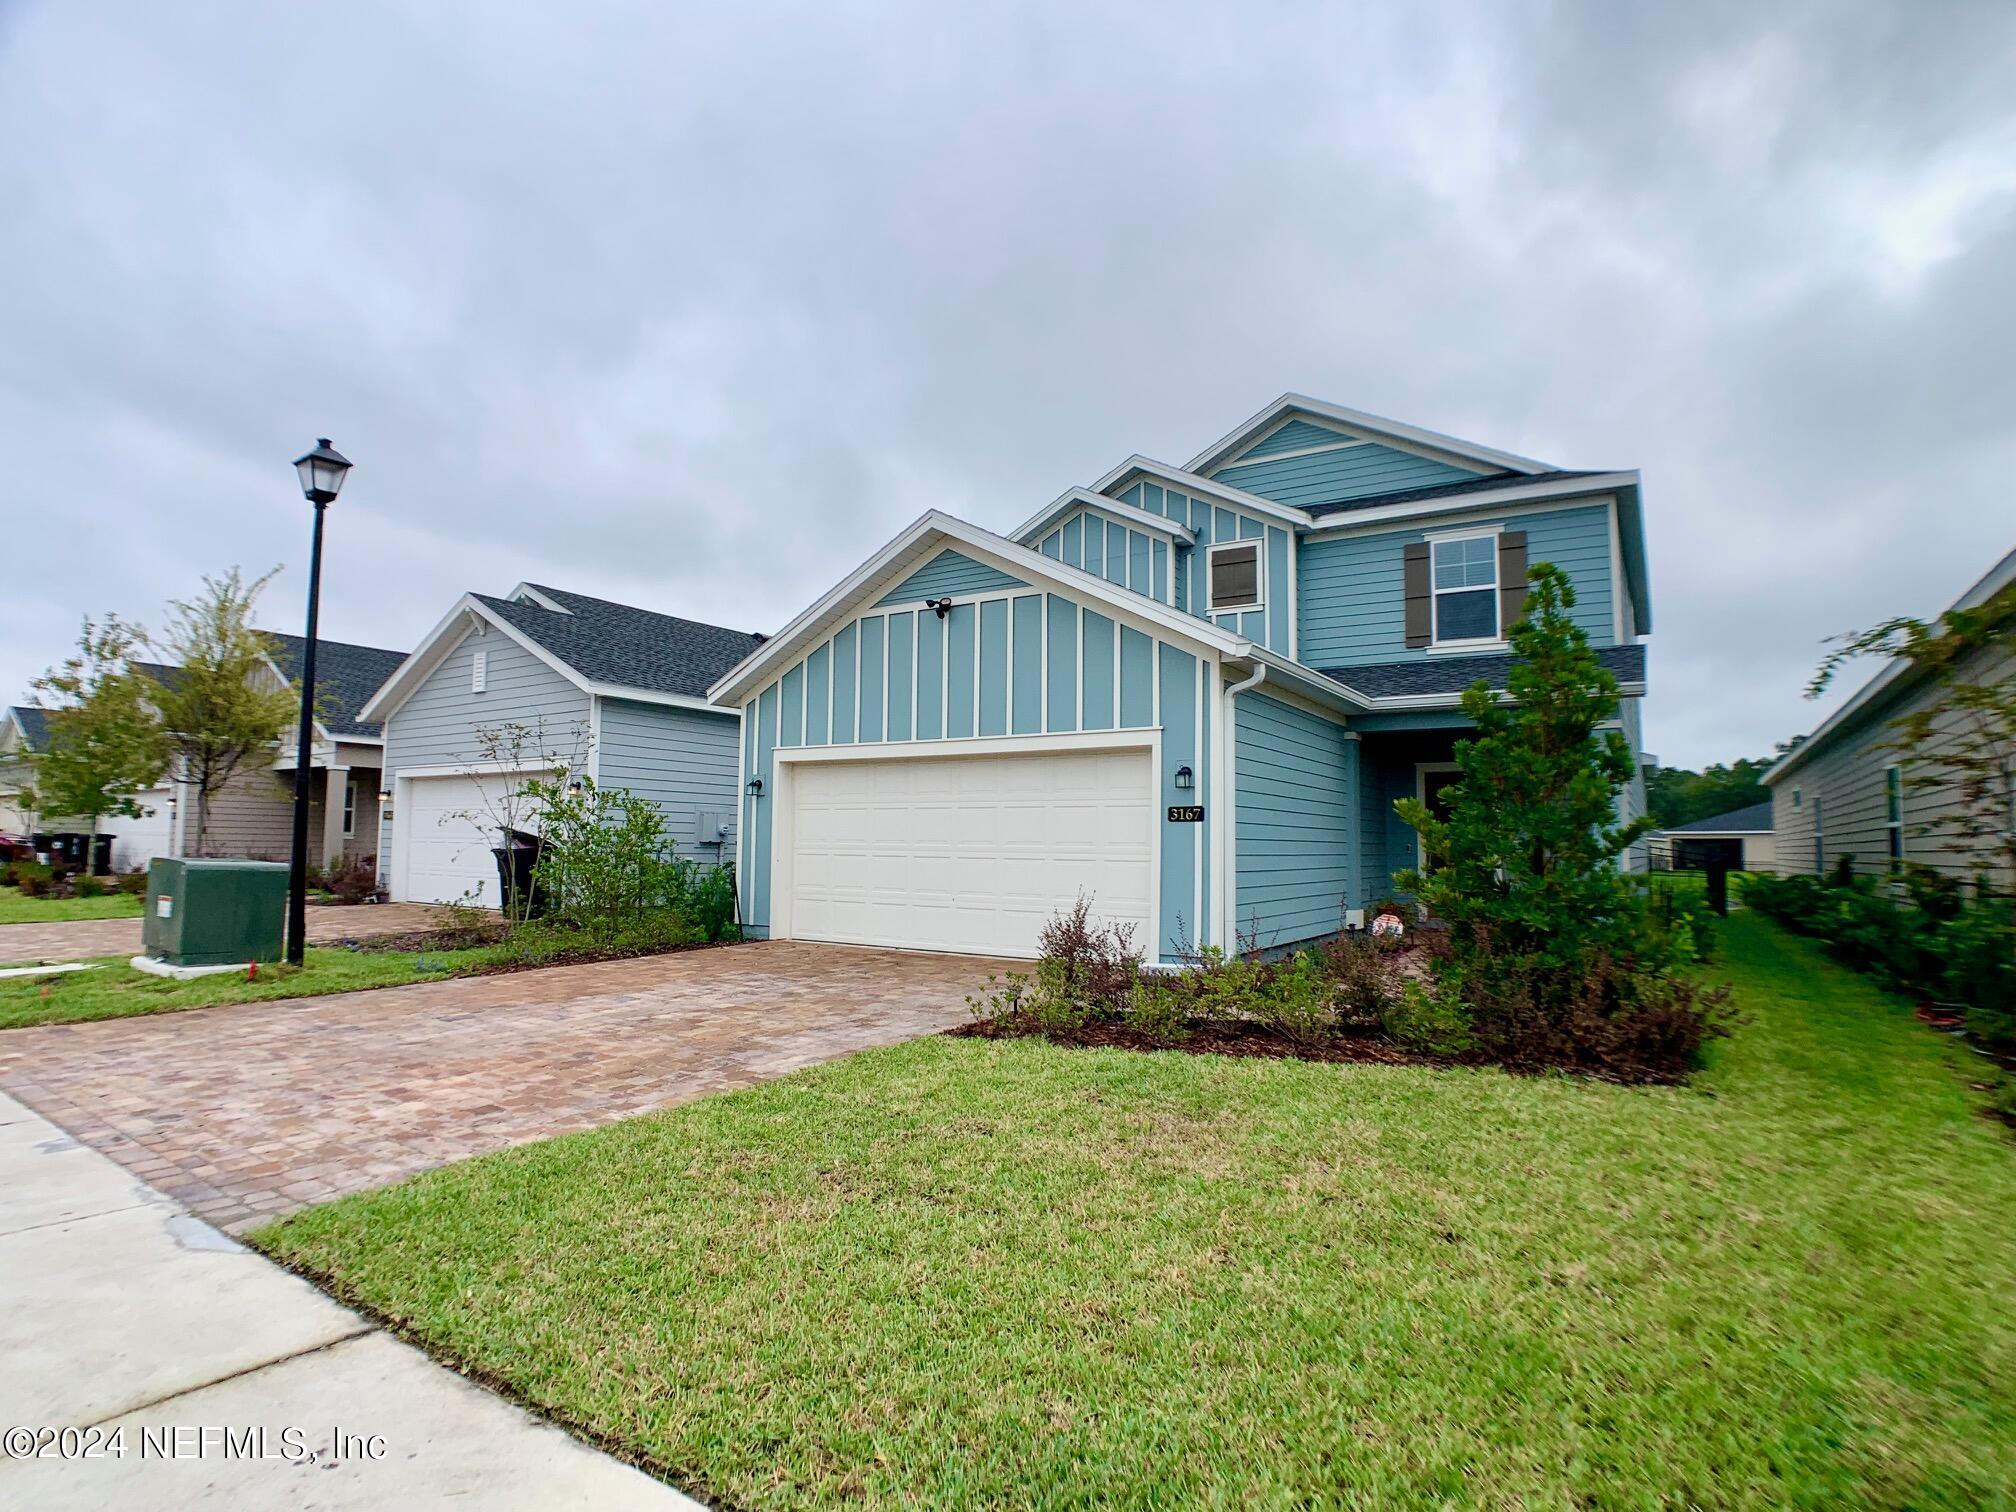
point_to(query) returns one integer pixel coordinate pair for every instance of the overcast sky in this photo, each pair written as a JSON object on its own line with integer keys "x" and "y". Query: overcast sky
{"x": 695, "y": 306}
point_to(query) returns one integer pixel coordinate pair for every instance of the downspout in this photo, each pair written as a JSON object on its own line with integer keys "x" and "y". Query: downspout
{"x": 1228, "y": 836}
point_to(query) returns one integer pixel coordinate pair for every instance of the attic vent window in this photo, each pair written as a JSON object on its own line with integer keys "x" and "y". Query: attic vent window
{"x": 1235, "y": 576}
{"x": 479, "y": 671}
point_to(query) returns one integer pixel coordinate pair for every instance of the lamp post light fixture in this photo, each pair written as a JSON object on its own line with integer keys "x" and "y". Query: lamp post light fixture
{"x": 322, "y": 472}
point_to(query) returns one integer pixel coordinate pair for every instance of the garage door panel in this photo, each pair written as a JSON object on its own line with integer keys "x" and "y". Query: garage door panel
{"x": 968, "y": 854}
{"x": 443, "y": 849}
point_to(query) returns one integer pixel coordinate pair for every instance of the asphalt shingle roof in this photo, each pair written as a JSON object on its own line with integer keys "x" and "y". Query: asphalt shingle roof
{"x": 626, "y": 647}
{"x": 1429, "y": 675}
{"x": 34, "y": 725}
{"x": 1448, "y": 490}
{"x": 1754, "y": 820}
{"x": 345, "y": 678}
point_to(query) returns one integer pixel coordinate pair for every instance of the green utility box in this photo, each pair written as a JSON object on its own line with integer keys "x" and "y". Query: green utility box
{"x": 214, "y": 913}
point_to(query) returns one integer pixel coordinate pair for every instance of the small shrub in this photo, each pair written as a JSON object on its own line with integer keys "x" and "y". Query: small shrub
{"x": 1156, "y": 1011}
{"x": 34, "y": 880}
{"x": 1297, "y": 998}
{"x": 1368, "y": 981}
{"x": 84, "y": 885}
{"x": 134, "y": 884}
{"x": 1420, "y": 1019}
{"x": 353, "y": 879}
{"x": 550, "y": 943}
{"x": 1092, "y": 964}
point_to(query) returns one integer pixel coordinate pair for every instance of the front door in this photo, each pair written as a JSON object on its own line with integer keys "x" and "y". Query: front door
{"x": 1432, "y": 784}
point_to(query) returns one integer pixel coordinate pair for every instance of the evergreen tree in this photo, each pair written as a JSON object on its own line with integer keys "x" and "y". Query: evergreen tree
{"x": 1529, "y": 853}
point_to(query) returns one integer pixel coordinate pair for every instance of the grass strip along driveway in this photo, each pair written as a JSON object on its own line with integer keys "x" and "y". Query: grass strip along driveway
{"x": 959, "y": 1273}
{"x": 15, "y": 908}
{"x": 113, "y": 989}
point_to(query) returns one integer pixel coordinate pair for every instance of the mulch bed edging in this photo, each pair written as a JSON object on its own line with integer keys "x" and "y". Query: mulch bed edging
{"x": 1215, "y": 1037}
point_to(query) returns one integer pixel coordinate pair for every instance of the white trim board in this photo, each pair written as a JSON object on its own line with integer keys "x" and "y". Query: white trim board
{"x": 1130, "y": 515}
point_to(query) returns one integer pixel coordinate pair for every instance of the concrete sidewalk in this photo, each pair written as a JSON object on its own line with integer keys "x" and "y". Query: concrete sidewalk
{"x": 165, "y": 1340}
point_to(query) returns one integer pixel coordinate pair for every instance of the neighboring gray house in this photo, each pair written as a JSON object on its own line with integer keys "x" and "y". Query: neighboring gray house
{"x": 1741, "y": 839}
{"x": 543, "y": 682}
{"x": 1841, "y": 792}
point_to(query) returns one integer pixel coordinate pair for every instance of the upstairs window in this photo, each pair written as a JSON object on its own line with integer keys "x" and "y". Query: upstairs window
{"x": 1235, "y": 576}
{"x": 1465, "y": 587}
{"x": 1893, "y": 814}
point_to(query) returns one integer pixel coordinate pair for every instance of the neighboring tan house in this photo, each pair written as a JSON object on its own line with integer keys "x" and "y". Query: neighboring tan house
{"x": 1839, "y": 792}
{"x": 1191, "y": 693}
{"x": 1741, "y": 840}
{"x": 542, "y": 682}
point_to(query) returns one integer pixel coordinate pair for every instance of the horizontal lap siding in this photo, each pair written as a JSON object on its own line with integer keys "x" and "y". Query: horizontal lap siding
{"x": 1352, "y": 604}
{"x": 948, "y": 574}
{"x": 1021, "y": 663}
{"x": 1846, "y": 778}
{"x": 437, "y": 726}
{"x": 251, "y": 816}
{"x": 682, "y": 760}
{"x": 1347, "y": 472}
{"x": 1293, "y": 822}
{"x": 1273, "y": 625}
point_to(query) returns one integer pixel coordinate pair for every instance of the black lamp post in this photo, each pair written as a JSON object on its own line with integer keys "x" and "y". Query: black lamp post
{"x": 321, "y": 473}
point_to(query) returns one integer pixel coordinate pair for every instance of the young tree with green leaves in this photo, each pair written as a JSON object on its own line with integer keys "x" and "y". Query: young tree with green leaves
{"x": 1529, "y": 853}
{"x": 1962, "y": 745}
{"x": 222, "y": 705}
{"x": 105, "y": 741}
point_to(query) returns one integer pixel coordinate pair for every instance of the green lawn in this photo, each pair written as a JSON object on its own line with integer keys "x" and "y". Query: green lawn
{"x": 15, "y": 909}
{"x": 961, "y": 1273}
{"x": 115, "y": 990}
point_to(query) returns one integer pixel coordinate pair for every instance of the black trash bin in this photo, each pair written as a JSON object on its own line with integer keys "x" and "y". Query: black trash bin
{"x": 69, "y": 849}
{"x": 517, "y": 874}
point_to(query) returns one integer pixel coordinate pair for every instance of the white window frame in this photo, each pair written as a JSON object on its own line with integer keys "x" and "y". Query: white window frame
{"x": 1258, "y": 546}
{"x": 1893, "y": 813}
{"x": 349, "y": 807}
{"x": 1496, "y": 639}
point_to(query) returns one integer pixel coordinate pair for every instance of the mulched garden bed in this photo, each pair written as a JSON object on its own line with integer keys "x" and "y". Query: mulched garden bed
{"x": 1214, "y": 1037}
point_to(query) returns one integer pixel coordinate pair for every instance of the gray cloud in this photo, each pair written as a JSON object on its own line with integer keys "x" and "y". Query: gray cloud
{"x": 693, "y": 307}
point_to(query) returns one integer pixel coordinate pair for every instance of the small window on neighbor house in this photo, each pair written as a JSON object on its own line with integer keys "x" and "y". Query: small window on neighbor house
{"x": 479, "y": 671}
{"x": 1465, "y": 588}
{"x": 1798, "y": 798}
{"x": 1235, "y": 576}
{"x": 350, "y": 808}
{"x": 1893, "y": 814}
{"x": 1819, "y": 841}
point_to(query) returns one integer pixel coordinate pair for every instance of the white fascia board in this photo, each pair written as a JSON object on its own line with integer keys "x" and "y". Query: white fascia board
{"x": 1596, "y": 487}
{"x": 1986, "y": 587}
{"x": 543, "y": 600}
{"x": 1209, "y": 488}
{"x": 667, "y": 700}
{"x": 1308, "y": 685}
{"x": 430, "y": 653}
{"x": 935, "y": 526}
{"x": 1084, "y": 498}
{"x": 1377, "y": 425}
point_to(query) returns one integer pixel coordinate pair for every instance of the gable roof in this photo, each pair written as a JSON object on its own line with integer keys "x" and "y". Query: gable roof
{"x": 34, "y": 725}
{"x": 1891, "y": 683}
{"x": 605, "y": 648}
{"x": 1374, "y": 426}
{"x": 346, "y": 676}
{"x": 1493, "y": 483}
{"x": 1754, "y": 820}
{"x": 1442, "y": 676}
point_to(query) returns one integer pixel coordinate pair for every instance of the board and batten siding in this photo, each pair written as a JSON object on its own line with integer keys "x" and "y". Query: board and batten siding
{"x": 1272, "y": 624}
{"x": 1293, "y": 819}
{"x": 683, "y": 760}
{"x": 1842, "y": 791}
{"x": 1353, "y": 605}
{"x": 1017, "y": 662}
{"x": 1103, "y": 544}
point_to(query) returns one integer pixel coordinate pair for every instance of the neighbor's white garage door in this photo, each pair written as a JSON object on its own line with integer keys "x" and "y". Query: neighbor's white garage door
{"x": 440, "y": 853}
{"x": 970, "y": 854}
{"x": 135, "y": 842}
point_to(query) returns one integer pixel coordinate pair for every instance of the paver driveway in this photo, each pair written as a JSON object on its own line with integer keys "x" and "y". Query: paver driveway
{"x": 254, "y": 1109}
{"x": 77, "y": 938}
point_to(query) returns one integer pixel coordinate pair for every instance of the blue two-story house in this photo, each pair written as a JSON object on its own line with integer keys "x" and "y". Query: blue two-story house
{"x": 1192, "y": 693}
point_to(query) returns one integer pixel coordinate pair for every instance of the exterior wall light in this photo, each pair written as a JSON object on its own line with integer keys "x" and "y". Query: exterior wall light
{"x": 940, "y": 607}
{"x": 755, "y": 787}
{"x": 1185, "y": 778}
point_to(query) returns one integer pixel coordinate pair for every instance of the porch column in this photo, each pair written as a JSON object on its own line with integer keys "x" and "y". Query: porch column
{"x": 334, "y": 780}
{"x": 1354, "y": 844}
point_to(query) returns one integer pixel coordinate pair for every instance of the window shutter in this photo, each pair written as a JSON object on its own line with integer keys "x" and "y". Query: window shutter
{"x": 1511, "y": 578}
{"x": 1415, "y": 570}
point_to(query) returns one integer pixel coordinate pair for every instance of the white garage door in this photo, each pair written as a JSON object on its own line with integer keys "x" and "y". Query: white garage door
{"x": 970, "y": 854}
{"x": 135, "y": 842}
{"x": 442, "y": 839}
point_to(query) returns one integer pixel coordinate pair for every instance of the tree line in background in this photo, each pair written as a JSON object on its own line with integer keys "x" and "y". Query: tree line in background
{"x": 119, "y": 723}
{"x": 1676, "y": 796}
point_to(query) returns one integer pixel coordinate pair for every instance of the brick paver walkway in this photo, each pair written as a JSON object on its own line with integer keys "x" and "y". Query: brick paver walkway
{"x": 255, "y": 1109}
{"x": 79, "y": 938}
